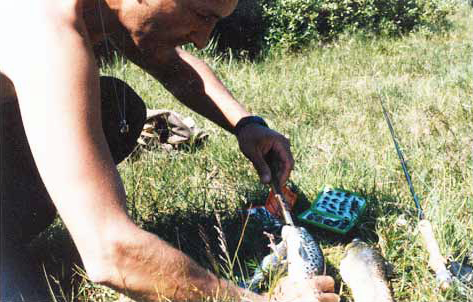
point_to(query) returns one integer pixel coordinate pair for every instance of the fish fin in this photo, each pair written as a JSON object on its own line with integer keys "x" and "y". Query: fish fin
{"x": 303, "y": 253}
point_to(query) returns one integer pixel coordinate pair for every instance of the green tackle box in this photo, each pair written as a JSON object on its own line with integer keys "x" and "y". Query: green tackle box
{"x": 334, "y": 209}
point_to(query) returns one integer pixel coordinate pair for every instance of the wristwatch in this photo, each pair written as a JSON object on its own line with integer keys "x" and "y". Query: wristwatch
{"x": 253, "y": 119}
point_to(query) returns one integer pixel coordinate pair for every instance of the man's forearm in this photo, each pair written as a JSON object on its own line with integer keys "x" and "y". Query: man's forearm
{"x": 192, "y": 82}
{"x": 147, "y": 268}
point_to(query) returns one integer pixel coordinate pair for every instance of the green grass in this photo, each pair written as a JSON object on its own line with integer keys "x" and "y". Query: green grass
{"x": 326, "y": 100}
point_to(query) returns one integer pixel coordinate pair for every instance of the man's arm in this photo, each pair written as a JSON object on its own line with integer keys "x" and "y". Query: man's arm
{"x": 58, "y": 92}
{"x": 194, "y": 84}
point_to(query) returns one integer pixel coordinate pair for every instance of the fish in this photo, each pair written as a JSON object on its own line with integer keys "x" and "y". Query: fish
{"x": 298, "y": 254}
{"x": 365, "y": 271}
{"x": 305, "y": 259}
{"x": 271, "y": 263}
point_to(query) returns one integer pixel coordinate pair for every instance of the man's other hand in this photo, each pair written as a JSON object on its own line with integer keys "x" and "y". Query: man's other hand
{"x": 318, "y": 289}
{"x": 261, "y": 145}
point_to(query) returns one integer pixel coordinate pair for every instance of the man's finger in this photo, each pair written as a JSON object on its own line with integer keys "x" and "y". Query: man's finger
{"x": 261, "y": 167}
{"x": 286, "y": 162}
{"x": 324, "y": 283}
{"x": 328, "y": 297}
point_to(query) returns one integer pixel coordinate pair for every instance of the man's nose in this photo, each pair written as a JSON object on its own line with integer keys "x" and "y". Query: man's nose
{"x": 201, "y": 37}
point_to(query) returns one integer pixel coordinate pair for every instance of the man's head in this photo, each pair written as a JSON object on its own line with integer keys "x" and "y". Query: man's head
{"x": 169, "y": 23}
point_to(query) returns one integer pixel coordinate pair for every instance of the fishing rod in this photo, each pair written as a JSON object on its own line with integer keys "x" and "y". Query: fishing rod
{"x": 420, "y": 213}
{"x": 436, "y": 261}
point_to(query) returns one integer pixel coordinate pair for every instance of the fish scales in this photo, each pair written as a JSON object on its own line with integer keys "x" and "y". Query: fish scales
{"x": 364, "y": 270}
{"x": 298, "y": 253}
{"x": 304, "y": 256}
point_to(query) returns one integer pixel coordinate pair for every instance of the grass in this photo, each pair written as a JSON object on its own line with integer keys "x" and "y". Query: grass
{"x": 326, "y": 100}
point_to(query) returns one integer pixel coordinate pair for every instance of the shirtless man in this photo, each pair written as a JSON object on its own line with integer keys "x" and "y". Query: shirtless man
{"x": 55, "y": 155}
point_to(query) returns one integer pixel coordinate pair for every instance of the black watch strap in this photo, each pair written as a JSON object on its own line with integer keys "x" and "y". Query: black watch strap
{"x": 248, "y": 120}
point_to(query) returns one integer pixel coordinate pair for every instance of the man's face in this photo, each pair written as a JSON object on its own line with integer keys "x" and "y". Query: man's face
{"x": 168, "y": 23}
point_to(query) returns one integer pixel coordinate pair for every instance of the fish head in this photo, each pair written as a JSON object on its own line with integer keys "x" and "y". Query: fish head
{"x": 355, "y": 247}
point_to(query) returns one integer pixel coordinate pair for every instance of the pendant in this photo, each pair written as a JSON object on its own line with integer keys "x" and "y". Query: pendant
{"x": 124, "y": 128}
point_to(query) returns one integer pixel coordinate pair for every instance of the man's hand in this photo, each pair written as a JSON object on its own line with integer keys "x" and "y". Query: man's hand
{"x": 261, "y": 145}
{"x": 318, "y": 289}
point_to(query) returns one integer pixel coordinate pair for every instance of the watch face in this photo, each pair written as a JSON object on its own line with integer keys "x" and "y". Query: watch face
{"x": 247, "y": 121}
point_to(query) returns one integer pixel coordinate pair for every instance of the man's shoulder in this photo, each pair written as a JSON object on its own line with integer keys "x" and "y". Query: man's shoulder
{"x": 62, "y": 10}
{"x": 29, "y": 29}
{"x": 26, "y": 12}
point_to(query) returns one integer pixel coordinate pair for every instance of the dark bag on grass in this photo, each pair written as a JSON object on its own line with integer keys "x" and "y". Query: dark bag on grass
{"x": 123, "y": 116}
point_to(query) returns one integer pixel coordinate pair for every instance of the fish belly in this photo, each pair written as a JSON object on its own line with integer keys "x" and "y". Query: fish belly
{"x": 304, "y": 256}
{"x": 362, "y": 272}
